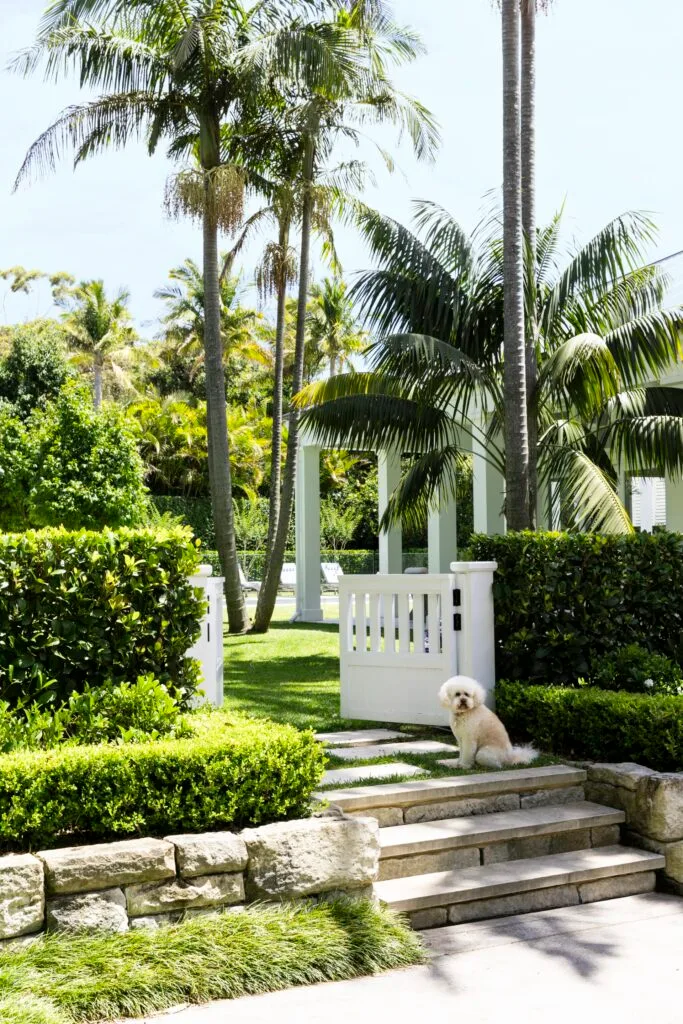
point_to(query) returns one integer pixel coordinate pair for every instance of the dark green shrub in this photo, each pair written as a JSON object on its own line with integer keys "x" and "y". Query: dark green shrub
{"x": 36, "y": 368}
{"x": 248, "y": 773}
{"x": 561, "y": 600}
{"x": 195, "y": 512}
{"x": 88, "y": 608}
{"x": 637, "y": 670}
{"x": 595, "y": 724}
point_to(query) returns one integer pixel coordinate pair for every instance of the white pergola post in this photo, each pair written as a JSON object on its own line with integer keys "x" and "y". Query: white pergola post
{"x": 308, "y": 604}
{"x": 442, "y": 529}
{"x": 674, "y": 504}
{"x": 488, "y": 494}
{"x": 390, "y": 541}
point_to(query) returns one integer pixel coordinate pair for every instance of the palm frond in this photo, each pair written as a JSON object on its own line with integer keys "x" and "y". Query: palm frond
{"x": 430, "y": 482}
{"x": 581, "y": 372}
{"x": 648, "y": 345}
{"x": 589, "y": 500}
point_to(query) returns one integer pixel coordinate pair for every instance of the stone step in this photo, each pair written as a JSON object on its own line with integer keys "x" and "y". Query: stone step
{"x": 493, "y": 838}
{"x": 521, "y": 886}
{"x": 339, "y": 776}
{"x": 402, "y": 803}
{"x": 370, "y": 751}
{"x": 358, "y": 737}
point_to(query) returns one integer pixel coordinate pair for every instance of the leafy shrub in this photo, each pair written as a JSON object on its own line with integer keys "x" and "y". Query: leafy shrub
{"x": 36, "y": 368}
{"x": 596, "y": 724}
{"x": 85, "y": 608}
{"x": 561, "y": 600}
{"x": 195, "y": 512}
{"x": 138, "y": 712}
{"x": 637, "y": 670}
{"x": 246, "y": 773}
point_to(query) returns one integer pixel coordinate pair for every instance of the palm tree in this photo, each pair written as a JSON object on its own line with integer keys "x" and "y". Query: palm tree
{"x": 314, "y": 126}
{"x": 180, "y": 70}
{"x": 436, "y": 378}
{"x": 332, "y": 326}
{"x": 516, "y": 433}
{"x": 99, "y": 328}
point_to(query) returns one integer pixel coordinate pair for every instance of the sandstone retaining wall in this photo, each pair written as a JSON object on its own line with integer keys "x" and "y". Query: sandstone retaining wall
{"x": 142, "y": 883}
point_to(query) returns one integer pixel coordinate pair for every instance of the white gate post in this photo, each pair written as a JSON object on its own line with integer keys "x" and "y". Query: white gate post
{"x": 476, "y": 641}
{"x": 307, "y": 528}
{"x": 208, "y": 649}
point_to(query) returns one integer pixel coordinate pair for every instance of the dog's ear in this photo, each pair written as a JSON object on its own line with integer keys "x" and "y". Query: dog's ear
{"x": 478, "y": 694}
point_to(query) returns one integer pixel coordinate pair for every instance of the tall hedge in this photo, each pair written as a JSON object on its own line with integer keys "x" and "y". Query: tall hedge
{"x": 563, "y": 599}
{"x": 84, "y": 607}
{"x": 249, "y": 773}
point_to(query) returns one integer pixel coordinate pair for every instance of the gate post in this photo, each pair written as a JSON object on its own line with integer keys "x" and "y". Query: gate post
{"x": 476, "y": 642}
{"x": 208, "y": 648}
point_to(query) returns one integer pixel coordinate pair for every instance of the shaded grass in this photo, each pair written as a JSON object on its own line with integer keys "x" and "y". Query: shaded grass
{"x": 264, "y": 949}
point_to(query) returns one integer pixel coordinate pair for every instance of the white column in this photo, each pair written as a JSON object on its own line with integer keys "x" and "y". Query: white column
{"x": 674, "y": 504}
{"x": 488, "y": 494}
{"x": 390, "y": 541}
{"x": 476, "y": 639}
{"x": 308, "y": 604}
{"x": 208, "y": 648}
{"x": 442, "y": 536}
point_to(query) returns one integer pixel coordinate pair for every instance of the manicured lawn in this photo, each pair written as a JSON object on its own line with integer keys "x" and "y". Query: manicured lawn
{"x": 61, "y": 979}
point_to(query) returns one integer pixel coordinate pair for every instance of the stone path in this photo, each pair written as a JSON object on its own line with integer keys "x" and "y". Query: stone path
{"x": 366, "y": 753}
{"x": 600, "y": 963}
{"x": 340, "y": 776}
{"x": 354, "y": 737}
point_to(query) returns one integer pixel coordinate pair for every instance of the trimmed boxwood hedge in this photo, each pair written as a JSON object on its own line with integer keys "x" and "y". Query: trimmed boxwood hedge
{"x": 596, "y": 725}
{"x": 561, "y": 600}
{"x": 82, "y": 607}
{"x": 248, "y": 773}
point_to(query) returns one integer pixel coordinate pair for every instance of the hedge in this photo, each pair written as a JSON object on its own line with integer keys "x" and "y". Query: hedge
{"x": 561, "y": 600}
{"x": 597, "y": 725}
{"x": 85, "y": 607}
{"x": 196, "y": 512}
{"x": 249, "y": 773}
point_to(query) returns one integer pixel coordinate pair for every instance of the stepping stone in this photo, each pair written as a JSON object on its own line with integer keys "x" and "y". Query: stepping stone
{"x": 339, "y": 776}
{"x": 352, "y": 738}
{"x": 366, "y": 753}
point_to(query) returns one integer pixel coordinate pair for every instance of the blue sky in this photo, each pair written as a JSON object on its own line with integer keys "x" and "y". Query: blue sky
{"x": 610, "y": 82}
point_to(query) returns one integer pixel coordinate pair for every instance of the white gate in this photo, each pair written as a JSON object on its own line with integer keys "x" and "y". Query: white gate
{"x": 208, "y": 648}
{"x": 401, "y": 637}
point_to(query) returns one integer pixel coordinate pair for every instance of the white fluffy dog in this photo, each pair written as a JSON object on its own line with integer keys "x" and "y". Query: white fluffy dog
{"x": 482, "y": 737}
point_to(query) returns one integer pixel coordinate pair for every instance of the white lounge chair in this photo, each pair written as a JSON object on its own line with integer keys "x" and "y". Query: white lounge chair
{"x": 331, "y": 573}
{"x": 288, "y": 576}
{"x": 248, "y": 584}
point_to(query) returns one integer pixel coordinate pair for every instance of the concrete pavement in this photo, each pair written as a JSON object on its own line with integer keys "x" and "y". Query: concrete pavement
{"x": 601, "y": 963}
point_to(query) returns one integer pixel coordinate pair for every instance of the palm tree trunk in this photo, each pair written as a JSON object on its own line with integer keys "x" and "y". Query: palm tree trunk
{"x": 97, "y": 381}
{"x": 268, "y": 593}
{"x": 220, "y": 480}
{"x": 528, "y": 130}
{"x": 333, "y": 366}
{"x": 276, "y": 437}
{"x": 516, "y": 433}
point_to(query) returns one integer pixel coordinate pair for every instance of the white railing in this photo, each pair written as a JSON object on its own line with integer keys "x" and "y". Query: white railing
{"x": 401, "y": 637}
{"x": 208, "y": 648}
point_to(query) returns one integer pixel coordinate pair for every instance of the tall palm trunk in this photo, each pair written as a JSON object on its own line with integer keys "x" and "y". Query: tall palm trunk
{"x": 268, "y": 592}
{"x": 516, "y": 433}
{"x": 528, "y": 130}
{"x": 220, "y": 480}
{"x": 98, "y": 367}
{"x": 276, "y": 453}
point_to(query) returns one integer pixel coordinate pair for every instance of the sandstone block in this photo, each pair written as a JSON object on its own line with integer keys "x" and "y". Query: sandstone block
{"x": 88, "y": 912}
{"x": 428, "y": 918}
{"x": 384, "y": 816}
{"x": 620, "y": 885}
{"x": 612, "y": 796}
{"x": 22, "y": 896}
{"x": 552, "y": 797}
{"x": 424, "y": 863}
{"x": 154, "y": 921}
{"x": 537, "y": 846}
{"x": 107, "y": 865}
{"x": 302, "y": 858}
{"x": 211, "y": 853}
{"x": 153, "y": 898}
{"x": 605, "y": 835}
{"x": 517, "y": 903}
{"x": 672, "y": 851}
{"x": 625, "y": 774}
{"x": 659, "y": 806}
{"x": 460, "y": 808}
